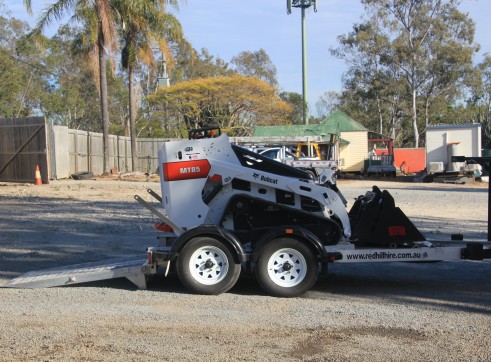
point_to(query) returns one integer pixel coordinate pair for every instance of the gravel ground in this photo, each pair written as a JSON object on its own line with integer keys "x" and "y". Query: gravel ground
{"x": 393, "y": 312}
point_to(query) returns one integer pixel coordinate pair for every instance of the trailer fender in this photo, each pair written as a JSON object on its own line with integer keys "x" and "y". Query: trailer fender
{"x": 213, "y": 231}
{"x": 295, "y": 232}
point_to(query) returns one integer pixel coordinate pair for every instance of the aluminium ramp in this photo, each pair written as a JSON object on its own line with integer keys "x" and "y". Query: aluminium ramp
{"x": 132, "y": 269}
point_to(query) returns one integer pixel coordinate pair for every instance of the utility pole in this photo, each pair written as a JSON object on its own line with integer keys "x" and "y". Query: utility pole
{"x": 303, "y": 4}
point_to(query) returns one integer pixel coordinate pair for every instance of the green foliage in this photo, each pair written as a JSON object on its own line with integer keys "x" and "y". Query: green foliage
{"x": 479, "y": 103}
{"x": 296, "y": 102}
{"x": 189, "y": 64}
{"x": 22, "y": 72}
{"x": 256, "y": 64}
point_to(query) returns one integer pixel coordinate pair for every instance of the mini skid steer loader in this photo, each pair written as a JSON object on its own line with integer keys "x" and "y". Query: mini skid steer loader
{"x": 230, "y": 209}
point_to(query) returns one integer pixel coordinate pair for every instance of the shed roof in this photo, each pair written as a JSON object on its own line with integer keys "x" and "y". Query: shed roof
{"x": 342, "y": 122}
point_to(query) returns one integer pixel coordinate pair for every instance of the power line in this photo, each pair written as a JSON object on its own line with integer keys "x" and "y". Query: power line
{"x": 27, "y": 63}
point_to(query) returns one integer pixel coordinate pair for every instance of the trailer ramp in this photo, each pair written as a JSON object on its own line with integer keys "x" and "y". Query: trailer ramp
{"x": 132, "y": 269}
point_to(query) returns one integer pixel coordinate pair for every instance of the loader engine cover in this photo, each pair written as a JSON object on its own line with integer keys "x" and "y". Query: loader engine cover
{"x": 252, "y": 216}
{"x": 375, "y": 220}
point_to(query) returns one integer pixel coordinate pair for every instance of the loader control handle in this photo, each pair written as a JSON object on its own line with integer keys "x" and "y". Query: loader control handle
{"x": 205, "y": 132}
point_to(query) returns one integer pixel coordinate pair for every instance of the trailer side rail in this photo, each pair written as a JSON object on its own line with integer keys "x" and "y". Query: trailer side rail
{"x": 425, "y": 252}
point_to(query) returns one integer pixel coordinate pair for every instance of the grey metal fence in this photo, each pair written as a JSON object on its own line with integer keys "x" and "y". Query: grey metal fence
{"x": 82, "y": 151}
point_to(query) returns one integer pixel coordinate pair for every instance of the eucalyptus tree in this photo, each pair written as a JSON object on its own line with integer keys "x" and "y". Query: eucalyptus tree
{"x": 191, "y": 64}
{"x": 256, "y": 64}
{"x": 370, "y": 92}
{"x": 433, "y": 47}
{"x": 99, "y": 39}
{"x": 143, "y": 25}
{"x": 479, "y": 105}
{"x": 426, "y": 55}
{"x": 70, "y": 96}
{"x": 327, "y": 103}
{"x": 21, "y": 68}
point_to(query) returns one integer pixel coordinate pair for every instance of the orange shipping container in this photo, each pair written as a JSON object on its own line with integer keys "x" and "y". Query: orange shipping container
{"x": 407, "y": 160}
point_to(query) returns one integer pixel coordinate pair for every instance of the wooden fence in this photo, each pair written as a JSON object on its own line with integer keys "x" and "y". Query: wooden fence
{"x": 60, "y": 152}
{"x": 23, "y": 146}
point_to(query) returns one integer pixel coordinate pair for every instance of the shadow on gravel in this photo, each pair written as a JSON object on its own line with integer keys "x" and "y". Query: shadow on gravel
{"x": 456, "y": 285}
{"x": 460, "y": 286}
{"x": 246, "y": 285}
{"x": 40, "y": 233}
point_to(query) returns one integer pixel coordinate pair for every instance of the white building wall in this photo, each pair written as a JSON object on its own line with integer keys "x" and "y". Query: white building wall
{"x": 465, "y": 140}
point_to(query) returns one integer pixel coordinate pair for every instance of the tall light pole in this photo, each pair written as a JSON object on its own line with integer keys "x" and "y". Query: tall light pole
{"x": 303, "y": 4}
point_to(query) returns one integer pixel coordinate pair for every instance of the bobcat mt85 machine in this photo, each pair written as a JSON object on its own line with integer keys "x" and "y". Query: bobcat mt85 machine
{"x": 230, "y": 210}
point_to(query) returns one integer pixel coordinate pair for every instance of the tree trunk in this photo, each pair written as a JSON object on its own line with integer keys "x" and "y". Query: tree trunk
{"x": 104, "y": 105}
{"x": 132, "y": 100}
{"x": 415, "y": 121}
{"x": 427, "y": 111}
{"x": 380, "y": 117}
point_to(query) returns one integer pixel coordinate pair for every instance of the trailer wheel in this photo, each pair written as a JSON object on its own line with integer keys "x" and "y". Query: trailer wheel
{"x": 206, "y": 266}
{"x": 286, "y": 268}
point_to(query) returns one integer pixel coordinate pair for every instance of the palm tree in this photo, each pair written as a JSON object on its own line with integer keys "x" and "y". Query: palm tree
{"x": 96, "y": 15}
{"x": 143, "y": 26}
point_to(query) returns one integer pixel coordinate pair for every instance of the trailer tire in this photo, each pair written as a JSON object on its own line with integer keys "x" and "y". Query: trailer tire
{"x": 215, "y": 275}
{"x": 286, "y": 267}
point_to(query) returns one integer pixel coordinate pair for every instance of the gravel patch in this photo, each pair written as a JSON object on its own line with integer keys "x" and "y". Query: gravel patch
{"x": 394, "y": 312}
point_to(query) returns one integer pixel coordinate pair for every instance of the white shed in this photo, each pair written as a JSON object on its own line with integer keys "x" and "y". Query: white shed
{"x": 445, "y": 141}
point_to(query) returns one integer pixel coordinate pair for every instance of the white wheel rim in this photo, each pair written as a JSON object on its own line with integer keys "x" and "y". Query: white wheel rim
{"x": 208, "y": 265}
{"x": 287, "y": 267}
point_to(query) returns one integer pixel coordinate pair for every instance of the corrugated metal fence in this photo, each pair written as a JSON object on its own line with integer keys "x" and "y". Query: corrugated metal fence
{"x": 82, "y": 151}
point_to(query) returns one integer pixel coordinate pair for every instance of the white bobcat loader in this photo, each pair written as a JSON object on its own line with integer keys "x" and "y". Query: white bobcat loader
{"x": 228, "y": 210}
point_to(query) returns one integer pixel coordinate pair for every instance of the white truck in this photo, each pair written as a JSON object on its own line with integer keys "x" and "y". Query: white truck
{"x": 228, "y": 210}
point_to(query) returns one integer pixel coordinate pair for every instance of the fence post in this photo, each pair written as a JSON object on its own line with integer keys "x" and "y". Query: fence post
{"x": 89, "y": 152}
{"x": 76, "y": 149}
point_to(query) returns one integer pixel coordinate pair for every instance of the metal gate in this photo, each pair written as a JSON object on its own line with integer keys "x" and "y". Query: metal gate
{"x": 23, "y": 146}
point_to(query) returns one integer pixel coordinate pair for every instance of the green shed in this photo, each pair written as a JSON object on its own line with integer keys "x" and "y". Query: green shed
{"x": 353, "y": 145}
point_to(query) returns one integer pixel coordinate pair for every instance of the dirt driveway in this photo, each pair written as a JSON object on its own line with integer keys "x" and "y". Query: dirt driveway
{"x": 399, "y": 311}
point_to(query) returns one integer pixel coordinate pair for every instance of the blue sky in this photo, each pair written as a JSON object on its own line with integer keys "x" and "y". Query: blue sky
{"x": 227, "y": 27}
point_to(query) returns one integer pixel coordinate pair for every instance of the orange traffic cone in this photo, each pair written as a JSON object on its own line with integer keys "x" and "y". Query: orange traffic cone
{"x": 37, "y": 177}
